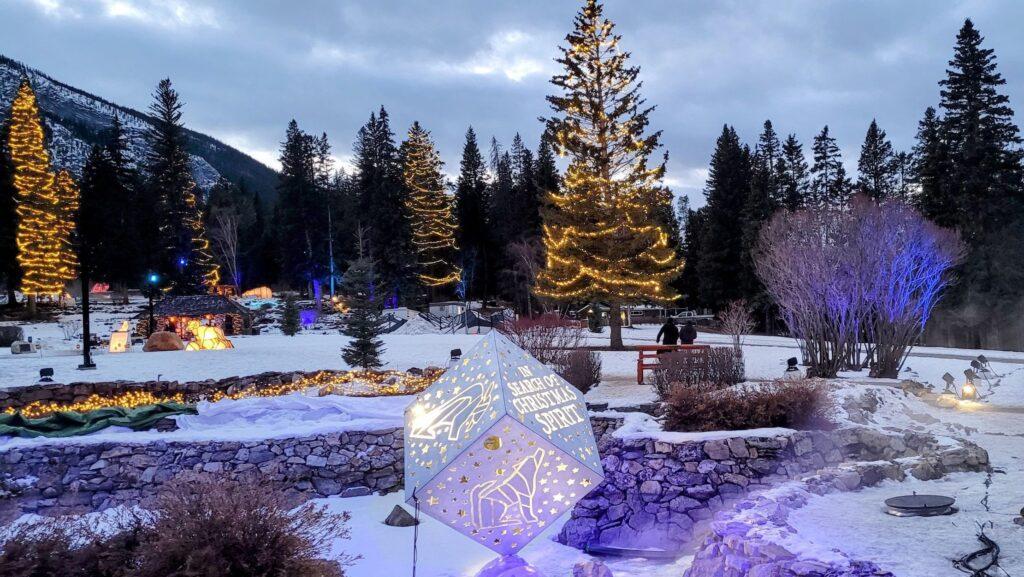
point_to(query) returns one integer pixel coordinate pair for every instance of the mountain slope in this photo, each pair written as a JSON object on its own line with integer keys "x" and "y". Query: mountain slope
{"x": 76, "y": 120}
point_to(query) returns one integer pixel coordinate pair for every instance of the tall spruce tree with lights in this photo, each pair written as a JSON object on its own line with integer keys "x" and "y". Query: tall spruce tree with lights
{"x": 187, "y": 259}
{"x": 38, "y": 207}
{"x": 67, "y": 193}
{"x": 602, "y": 237}
{"x": 430, "y": 212}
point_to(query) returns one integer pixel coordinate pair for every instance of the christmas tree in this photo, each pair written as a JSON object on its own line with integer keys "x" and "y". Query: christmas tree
{"x": 38, "y": 210}
{"x": 603, "y": 240}
{"x": 187, "y": 255}
{"x": 365, "y": 325}
{"x": 430, "y": 211}
{"x": 290, "y": 317}
{"x": 67, "y": 209}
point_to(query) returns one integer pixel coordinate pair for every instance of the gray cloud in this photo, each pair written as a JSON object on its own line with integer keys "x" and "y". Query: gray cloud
{"x": 245, "y": 68}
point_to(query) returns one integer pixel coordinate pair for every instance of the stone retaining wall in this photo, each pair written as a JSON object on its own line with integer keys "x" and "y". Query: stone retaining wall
{"x": 73, "y": 478}
{"x": 655, "y": 492}
{"x": 754, "y": 538}
{"x": 64, "y": 477}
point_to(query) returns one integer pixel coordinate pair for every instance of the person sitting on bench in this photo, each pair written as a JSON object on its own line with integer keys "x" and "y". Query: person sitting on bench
{"x": 668, "y": 335}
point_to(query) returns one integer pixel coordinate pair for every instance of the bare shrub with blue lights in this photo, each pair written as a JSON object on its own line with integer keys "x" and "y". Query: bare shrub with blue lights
{"x": 856, "y": 284}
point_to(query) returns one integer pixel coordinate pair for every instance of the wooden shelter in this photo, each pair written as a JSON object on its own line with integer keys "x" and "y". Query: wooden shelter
{"x": 174, "y": 313}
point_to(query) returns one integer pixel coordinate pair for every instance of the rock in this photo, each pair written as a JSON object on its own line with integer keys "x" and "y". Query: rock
{"x": 163, "y": 341}
{"x": 595, "y": 568}
{"x": 356, "y": 492}
{"x": 8, "y": 335}
{"x": 399, "y": 517}
{"x": 717, "y": 450}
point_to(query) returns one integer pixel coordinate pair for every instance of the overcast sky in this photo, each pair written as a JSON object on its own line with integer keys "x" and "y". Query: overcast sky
{"x": 245, "y": 68}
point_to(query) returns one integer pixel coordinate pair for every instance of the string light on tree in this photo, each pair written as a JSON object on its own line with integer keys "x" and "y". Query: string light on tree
{"x": 601, "y": 233}
{"x": 430, "y": 210}
{"x": 39, "y": 228}
{"x": 67, "y": 204}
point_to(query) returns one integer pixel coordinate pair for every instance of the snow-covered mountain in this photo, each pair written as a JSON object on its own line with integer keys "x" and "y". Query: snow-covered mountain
{"x": 76, "y": 120}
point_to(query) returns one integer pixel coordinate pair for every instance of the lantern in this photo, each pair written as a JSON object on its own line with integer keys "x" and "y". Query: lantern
{"x": 207, "y": 338}
{"x": 499, "y": 447}
{"x": 120, "y": 340}
{"x": 969, "y": 392}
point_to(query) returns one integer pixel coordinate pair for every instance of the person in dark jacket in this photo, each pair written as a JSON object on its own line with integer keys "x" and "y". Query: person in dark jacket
{"x": 669, "y": 334}
{"x": 688, "y": 334}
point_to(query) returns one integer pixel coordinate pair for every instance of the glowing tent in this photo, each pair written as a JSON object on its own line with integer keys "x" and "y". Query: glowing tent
{"x": 260, "y": 292}
{"x": 207, "y": 338}
{"x": 499, "y": 447}
{"x": 121, "y": 339}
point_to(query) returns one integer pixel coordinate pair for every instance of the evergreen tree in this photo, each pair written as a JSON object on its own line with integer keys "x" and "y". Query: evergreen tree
{"x": 829, "y": 184}
{"x": 290, "y": 317}
{"x": 761, "y": 203}
{"x": 382, "y": 206}
{"x": 688, "y": 283}
{"x": 38, "y": 232}
{"x": 983, "y": 168}
{"x": 66, "y": 191}
{"x": 430, "y": 211}
{"x": 970, "y": 176}
{"x": 546, "y": 173}
{"x": 10, "y": 272}
{"x": 601, "y": 235}
{"x": 365, "y": 323}
{"x": 720, "y": 266}
{"x": 794, "y": 180}
{"x": 301, "y": 241}
{"x": 903, "y": 175}
{"x": 188, "y": 263}
{"x": 931, "y": 163}
{"x": 131, "y": 221}
{"x": 877, "y": 167}
{"x": 525, "y": 208}
{"x": 94, "y": 227}
{"x": 472, "y": 201}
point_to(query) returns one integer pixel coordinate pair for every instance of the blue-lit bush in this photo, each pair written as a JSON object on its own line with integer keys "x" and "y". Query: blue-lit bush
{"x": 857, "y": 279}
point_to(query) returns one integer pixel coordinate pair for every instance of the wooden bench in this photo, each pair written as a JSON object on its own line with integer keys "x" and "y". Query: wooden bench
{"x": 648, "y": 358}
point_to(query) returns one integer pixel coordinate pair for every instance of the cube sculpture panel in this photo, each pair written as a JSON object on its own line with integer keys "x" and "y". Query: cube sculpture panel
{"x": 499, "y": 447}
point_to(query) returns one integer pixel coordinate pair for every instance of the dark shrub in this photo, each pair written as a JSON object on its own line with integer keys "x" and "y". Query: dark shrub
{"x": 548, "y": 338}
{"x": 210, "y": 528}
{"x": 202, "y": 528}
{"x": 717, "y": 367}
{"x": 794, "y": 405}
{"x": 582, "y": 369}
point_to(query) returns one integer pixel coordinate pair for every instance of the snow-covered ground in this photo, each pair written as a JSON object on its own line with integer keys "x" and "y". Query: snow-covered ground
{"x": 444, "y": 552}
{"x": 924, "y": 547}
{"x": 909, "y": 547}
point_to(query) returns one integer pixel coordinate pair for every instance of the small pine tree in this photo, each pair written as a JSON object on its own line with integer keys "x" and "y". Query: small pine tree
{"x": 290, "y": 317}
{"x": 365, "y": 324}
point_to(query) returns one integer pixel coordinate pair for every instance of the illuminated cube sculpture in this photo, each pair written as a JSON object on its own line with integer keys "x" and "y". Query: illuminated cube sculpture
{"x": 499, "y": 447}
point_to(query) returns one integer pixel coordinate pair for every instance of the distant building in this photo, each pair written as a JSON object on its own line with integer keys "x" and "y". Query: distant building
{"x": 175, "y": 313}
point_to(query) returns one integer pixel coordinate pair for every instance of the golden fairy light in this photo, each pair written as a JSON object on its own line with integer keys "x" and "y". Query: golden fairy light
{"x": 602, "y": 235}
{"x": 430, "y": 210}
{"x": 372, "y": 383}
{"x": 40, "y": 226}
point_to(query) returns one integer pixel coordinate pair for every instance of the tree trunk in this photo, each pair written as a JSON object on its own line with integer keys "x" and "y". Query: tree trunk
{"x": 31, "y": 306}
{"x": 615, "y": 326}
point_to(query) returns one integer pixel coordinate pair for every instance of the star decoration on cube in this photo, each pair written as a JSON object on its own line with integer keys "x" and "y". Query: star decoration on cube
{"x": 499, "y": 447}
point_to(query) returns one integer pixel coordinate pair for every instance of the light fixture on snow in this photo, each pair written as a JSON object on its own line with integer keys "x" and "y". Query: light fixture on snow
{"x": 920, "y": 505}
{"x": 969, "y": 392}
{"x": 498, "y": 448}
